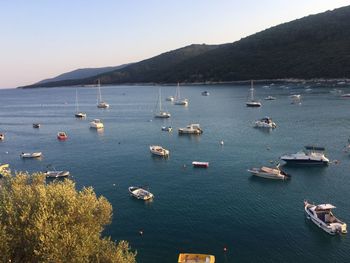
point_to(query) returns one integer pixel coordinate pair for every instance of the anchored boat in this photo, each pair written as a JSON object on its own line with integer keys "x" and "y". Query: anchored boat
{"x": 191, "y": 129}
{"x": 322, "y": 216}
{"x": 31, "y": 155}
{"x": 62, "y": 136}
{"x": 195, "y": 258}
{"x": 200, "y": 164}
{"x": 269, "y": 173}
{"x": 265, "y": 123}
{"x": 312, "y": 155}
{"x": 251, "y": 101}
{"x": 96, "y": 124}
{"x": 140, "y": 193}
{"x": 159, "y": 150}
{"x": 56, "y": 174}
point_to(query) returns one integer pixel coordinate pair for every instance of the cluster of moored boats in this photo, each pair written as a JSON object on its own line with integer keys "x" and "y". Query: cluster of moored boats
{"x": 320, "y": 214}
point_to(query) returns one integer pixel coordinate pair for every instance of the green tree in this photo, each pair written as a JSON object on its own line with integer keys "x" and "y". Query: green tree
{"x": 54, "y": 222}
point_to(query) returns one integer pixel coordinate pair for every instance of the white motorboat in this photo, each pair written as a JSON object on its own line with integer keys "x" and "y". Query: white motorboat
{"x": 322, "y": 216}
{"x": 100, "y": 103}
{"x": 346, "y": 95}
{"x": 161, "y": 113}
{"x": 140, "y": 193}
{"x": 269, "y": 173}
{"x": 56, "y": 174}
{"x": 36, "y": 125}
{"x": 270, "y": 98}
{"x": 312, "y": 155}
{"x": 191, "y": 129}
{"x": 96, "y": 124}
{"x": 265, "y": 123}
{"x": 78, "y": 114}
{"x": 205, "y": 93}
{"x": 2, "y": 136}
{"x": 159, "y": 150}
{"x": 178, "y": 100}
{"x": 31, "y": 155}
{"x": 251, "y": 101}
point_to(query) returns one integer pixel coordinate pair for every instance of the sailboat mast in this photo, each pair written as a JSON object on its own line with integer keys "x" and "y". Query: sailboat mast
{"x": 99, "y": 89}
{"x": 251, "y": 91}
{"x": 76, "y": 101}
{"x": 160, "y": 101}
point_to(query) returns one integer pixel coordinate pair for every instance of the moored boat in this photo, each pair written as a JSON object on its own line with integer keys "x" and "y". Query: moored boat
{"x": 265, "y": 123}
{"x": 205, "y": 93}
{"x": 322, "y": 216}
{"x": 170, "y": 98}
{"x": 191, "y": 129}
{"x": 96, "y": 124}
{"x": 270, "y": 98}
{"x": 31, "y": 155}
{"x": 100, "y": 103}
{"x": 311, "y": 155}
{"x": 36, "y": 125}
{"x": 62, "y": 136}
{"x": 140, "y": 193}
{"x": 178, "y": 100}
{"x": 200, "y": 164}
{"x": 2, "y": 136}
{"x": 56, "y": 174}
{"x": 251, "y": 101}
{"x": 195, "y": 258}
{"x": 78, "y": 114}
{"x": 269, "y": 173}
{"x": 159, "y": 150}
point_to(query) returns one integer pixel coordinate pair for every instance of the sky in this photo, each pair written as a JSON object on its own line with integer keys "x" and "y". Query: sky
{"x": 42, "y": 38}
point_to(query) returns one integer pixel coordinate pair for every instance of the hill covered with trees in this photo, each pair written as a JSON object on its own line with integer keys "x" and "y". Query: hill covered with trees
{"x": 316, "y": 46}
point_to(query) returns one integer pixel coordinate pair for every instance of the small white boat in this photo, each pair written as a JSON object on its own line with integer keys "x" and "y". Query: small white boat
{"x": 346, "y": 95}
{"x": 159, "y": 150}
{"x": 100, "y": 103}
{"x": 205, "y": 93}
{"x": 270, "y": 98}
{"x": 140, "y": 193}
{"x": 251, "y": 101}
{"x": 178, "y": 100}
{"x": 322, "y": 216}
{"x": 269, "y": 173}
{"x": 167, "y": 128}
{"x": 31, "y": 155}
{"x": 96, "y": 124}
{"x": 312, "y": 155}
{"x": 36, "y": 125}
{"x": 56, "y": 174}
{"x": 200, "y": 164}
{"x": 265, "y": 123}
{"x": 170, "y": 98}
{"x": 2, "y": 136}
{"x": 191, "y": 129}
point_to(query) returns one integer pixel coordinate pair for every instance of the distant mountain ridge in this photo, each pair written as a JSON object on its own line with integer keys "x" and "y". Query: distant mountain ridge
{"x": 82, "y": 73}
{"x": 316, "y": 46}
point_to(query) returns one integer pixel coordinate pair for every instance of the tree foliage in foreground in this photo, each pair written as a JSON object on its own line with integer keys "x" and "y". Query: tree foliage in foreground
{"x": 54, "y": 222}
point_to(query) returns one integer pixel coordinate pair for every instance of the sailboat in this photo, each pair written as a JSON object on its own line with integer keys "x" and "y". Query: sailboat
{"x": 78, "y": 114}
{"x": 100, "y": 103}
{"x": 161, "y": 113}
{"x": 178, "y": 100}
{"x": 252, "y": 102}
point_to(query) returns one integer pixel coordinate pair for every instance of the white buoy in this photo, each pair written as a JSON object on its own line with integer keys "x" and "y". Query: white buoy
{"x": 221, "y": 142}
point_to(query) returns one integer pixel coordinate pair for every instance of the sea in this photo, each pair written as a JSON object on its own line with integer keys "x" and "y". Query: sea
{"x": 221, "y": 210}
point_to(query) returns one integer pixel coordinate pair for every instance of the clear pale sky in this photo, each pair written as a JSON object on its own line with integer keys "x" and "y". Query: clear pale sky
{"x": 44, "y": 38}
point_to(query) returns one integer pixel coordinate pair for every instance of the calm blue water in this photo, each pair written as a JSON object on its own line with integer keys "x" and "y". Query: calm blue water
{"x": 194, "y": 210}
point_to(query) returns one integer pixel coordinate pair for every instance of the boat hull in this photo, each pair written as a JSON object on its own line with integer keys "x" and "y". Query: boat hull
{"x": 253, "y": 104}
{"x": 305, "y": 162}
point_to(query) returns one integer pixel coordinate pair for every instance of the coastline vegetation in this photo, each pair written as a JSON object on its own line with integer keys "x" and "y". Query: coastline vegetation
{"x": 54, "y": 222}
